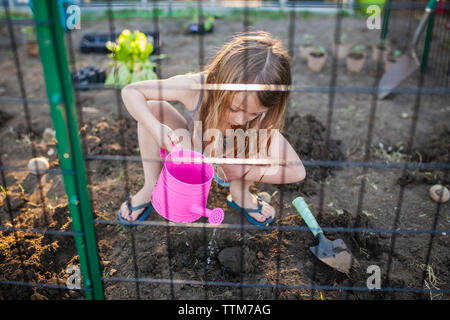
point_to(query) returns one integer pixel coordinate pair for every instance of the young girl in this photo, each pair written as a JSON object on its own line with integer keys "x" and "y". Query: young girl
{"x": 249, "y": 58}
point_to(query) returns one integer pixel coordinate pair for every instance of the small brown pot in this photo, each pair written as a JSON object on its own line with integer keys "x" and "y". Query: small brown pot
{"x": 305, "y": 49}
{"x": 316, "y": 62}
{"x": 355, "y": 61}
{"x": 380, "y": 52}
{"x": 32, "y": 48}
{"x": 340, "y": 50}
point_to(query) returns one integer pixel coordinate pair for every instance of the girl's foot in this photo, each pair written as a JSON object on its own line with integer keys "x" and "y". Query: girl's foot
{"x": 143, "y": 196}
{"x": 249, "y": 201}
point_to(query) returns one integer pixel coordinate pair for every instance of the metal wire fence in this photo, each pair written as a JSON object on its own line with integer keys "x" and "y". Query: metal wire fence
{"x": 75, "y": 159}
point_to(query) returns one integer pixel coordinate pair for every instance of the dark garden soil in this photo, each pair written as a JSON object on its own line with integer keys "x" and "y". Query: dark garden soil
{"x": 356, "y": 56}
{"x": 436, "y": 150}
{"x": 270, "y": 257}
{"x": 317, "y": 54}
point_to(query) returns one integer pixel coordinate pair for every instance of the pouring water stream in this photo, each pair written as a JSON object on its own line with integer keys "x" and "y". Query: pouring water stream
{"x": 210, "y": 249}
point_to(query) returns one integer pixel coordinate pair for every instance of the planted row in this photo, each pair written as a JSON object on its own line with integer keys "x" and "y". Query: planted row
{"x": 354, "y": 55}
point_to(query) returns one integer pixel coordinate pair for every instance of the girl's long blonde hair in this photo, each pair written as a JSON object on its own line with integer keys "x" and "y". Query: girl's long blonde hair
{"x": 249, "y": 58}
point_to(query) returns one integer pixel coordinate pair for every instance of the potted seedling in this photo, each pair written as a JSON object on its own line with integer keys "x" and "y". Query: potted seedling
{"x": 317, "y": 58}
{"x": 340, "y": 49}
{"x": 194, "y": 25}
{"x": 356, "y": 58}
{"x": 307, "y": 46}
{"x": 130, "y": 59}
{"x": 207, "y": 26}
{"x": 31, "y": 44}
{"x": 391, "y": 59}
{"x": 380, "y": 51}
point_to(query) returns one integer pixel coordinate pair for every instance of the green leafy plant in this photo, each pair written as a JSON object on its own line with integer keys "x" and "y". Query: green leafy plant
{"x": 120, "y": 227}
{"x": 208, "y": 20}
{"x": 308, "y": 38}
{"x": 359, "y": 48}
{"x": 396, "y": 54}
{"x": 343, "y": 38}
{"x": 105, "y": 273}
{"x": 130, "y": 54}
{"x": 29, "y": 32}
{"x": 208, "y": 23}
{"x": 318, "y": 50}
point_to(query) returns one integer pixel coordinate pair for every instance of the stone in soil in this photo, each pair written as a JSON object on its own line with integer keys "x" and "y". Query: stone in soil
{"x": 230, "y": 259}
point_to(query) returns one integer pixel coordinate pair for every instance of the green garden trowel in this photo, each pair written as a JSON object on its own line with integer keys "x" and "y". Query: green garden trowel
{"x": 409, "y": 62}
{"x": 333, "y": 253}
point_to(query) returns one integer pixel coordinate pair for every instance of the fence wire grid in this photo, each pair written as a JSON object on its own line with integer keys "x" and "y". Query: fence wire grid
{"x": 399, "y": 20}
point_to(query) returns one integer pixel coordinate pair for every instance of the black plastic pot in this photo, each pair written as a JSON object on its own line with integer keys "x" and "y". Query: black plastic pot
{"x": 101, "y": 76}
{"x": 92, "y": 77}
{"x": 96, "y": 42}
{"x": 88, "y": 75}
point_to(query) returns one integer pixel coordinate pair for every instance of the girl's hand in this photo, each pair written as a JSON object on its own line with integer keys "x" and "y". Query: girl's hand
{"x": 165, "y": 137}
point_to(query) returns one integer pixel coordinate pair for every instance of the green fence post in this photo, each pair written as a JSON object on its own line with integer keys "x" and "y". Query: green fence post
{"x": 77, "y": 153}
{"x": 429, "y": 34}
{"x": 59, "y": 90}
{"x": 384, "y": 28}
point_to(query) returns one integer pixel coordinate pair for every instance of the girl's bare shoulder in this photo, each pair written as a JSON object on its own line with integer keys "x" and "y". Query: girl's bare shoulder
{"x": 191, "y": 96}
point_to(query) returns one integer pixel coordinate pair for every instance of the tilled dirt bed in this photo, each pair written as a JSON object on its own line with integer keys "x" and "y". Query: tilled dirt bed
{"x": 270, "y": 257}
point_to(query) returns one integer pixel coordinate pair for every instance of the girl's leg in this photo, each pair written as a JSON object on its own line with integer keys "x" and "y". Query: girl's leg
{"x": 273, "y": 174}
{"x": 167, "y": 114}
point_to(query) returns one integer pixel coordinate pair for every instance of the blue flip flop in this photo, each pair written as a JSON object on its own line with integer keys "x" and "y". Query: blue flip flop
{"x": 266, "y": 223}
{"x": 219, "y": 181}
{"x": 144, "y": 214}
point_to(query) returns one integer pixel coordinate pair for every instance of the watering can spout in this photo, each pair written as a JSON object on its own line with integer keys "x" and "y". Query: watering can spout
{"x": 215, "y": 216}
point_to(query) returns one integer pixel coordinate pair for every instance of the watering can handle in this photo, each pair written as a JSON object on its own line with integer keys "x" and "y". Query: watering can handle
{"x": 301, "y": 206}
{"x": 163, "y": 152}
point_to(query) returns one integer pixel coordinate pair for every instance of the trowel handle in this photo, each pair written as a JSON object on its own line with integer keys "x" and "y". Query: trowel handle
{"x": 431, "y": 6}
{"x": 301, "y": 206}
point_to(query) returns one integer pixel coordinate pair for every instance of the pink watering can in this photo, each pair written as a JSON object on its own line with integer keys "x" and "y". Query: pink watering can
{"x": 182, "y": 190}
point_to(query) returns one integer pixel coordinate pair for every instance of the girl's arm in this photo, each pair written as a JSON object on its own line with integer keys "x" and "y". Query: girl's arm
{"x": 280, "y": 149}
{"x": 280, "y": 174}
{"x": 136, "y": 95}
